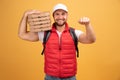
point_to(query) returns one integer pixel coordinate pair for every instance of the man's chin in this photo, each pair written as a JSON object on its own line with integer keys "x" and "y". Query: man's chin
{"x": 57, "y": 24}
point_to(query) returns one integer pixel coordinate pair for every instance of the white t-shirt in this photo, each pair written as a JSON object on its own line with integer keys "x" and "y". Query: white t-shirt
{"x": 41, "y": 34}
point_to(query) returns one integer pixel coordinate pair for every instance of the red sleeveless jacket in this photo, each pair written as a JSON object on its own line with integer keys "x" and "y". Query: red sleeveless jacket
{"x": 60, "y": 54}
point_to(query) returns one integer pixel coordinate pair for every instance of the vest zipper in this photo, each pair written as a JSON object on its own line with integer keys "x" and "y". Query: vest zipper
{"x": 60, "y": 64}
{"x": 60, "y": 48}
{"x": 60, "y": 40}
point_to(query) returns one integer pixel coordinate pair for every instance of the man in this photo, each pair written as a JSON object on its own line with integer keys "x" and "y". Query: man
{"x": 60, "y": 53}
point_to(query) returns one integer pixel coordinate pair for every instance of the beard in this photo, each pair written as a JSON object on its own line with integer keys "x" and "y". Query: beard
{"x": 60, "y": 23}
{"x": 57, "y": 24}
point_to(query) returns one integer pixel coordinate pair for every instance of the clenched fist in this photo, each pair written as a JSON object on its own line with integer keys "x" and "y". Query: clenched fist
{"x": 84, "y": 21}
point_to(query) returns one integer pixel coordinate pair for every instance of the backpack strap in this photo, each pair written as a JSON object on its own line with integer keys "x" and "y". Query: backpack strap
{"x": 72, "y": 32}
{"x": 46, "y": 36}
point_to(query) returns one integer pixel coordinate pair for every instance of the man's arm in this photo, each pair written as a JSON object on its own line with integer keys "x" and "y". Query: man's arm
{"x": 22, "y": 31}
{"x": 89, "y": 36}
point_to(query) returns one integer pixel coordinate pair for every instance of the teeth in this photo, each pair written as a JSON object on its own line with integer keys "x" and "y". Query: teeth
{"x": 60, "y": 19}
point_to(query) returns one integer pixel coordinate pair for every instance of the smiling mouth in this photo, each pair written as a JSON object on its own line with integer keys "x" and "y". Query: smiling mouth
{"x": 60, "y": 20}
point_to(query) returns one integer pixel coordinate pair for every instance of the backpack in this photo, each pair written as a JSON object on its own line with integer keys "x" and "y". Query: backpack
{"x": 72, "y": 32}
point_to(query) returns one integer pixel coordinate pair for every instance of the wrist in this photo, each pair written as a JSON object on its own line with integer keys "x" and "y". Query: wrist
{"x": 87, "y": 25}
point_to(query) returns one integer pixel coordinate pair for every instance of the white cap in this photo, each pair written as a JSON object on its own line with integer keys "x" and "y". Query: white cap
{"x": 60, "y": 6}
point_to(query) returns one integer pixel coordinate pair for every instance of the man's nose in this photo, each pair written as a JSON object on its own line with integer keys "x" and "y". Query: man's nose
{"x": 60, "y": 16}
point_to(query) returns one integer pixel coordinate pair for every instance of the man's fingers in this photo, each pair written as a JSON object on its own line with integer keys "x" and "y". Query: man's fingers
{"x": 84, "y": 20}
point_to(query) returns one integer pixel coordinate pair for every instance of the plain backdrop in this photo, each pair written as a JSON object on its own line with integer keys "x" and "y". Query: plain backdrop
{"x": 22, "y": 60}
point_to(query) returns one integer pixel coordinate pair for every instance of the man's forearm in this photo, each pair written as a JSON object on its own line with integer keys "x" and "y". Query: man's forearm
{"x": 22, "y": 31}
{"x": 22, "y": 26}
{"x": 89, "y": 36}
{"x": 90, "y": 33}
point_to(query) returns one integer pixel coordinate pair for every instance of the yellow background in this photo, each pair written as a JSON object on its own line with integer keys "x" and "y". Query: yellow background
{"x": 21, "y": 60}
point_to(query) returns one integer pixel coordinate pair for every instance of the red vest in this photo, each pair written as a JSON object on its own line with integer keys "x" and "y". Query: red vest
{"x": 60, "y": 54}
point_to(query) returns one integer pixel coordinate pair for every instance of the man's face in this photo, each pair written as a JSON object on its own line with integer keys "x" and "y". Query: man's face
{"x": 60, "y": 17}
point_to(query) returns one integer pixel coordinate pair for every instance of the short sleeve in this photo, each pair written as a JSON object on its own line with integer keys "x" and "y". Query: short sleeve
{"x": 78, "y": 33}
{"x": 41, "y": 35}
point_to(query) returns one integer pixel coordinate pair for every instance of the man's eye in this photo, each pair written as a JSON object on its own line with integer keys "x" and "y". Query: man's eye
{"x": 57, "y": 14}
{"x": 63, "y": 13}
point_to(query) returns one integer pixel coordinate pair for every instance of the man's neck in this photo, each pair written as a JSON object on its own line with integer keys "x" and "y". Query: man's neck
{"x": 60, "y": 28}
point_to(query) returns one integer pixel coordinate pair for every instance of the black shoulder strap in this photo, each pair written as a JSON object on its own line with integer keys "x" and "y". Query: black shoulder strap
{"x": 46, "y": 36}
{"x": 72, "y": 32}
